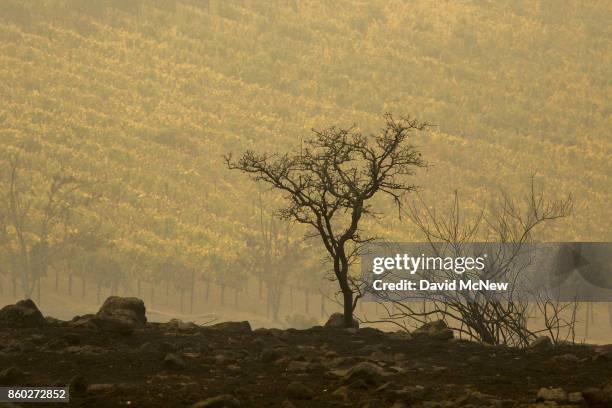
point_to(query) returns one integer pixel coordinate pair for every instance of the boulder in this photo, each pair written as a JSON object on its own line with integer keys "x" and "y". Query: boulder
{"x": 336, "y": 321}
{"x": 130, "y": 310}
{"x": 22, "y": 314}
{"x": 437, "y": 329}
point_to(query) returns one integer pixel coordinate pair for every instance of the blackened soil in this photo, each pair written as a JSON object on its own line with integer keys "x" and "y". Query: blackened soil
{"x": 257, "y": 367}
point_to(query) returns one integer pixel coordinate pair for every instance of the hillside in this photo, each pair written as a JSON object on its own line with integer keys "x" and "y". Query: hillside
{"x": 145, "y": 98}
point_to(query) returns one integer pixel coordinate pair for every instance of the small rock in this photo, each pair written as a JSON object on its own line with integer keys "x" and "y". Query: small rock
{"x": 11, "y": 376}
{"x": 174, "y": 362}
{"x": 100, "y": 388}
{"x": 114, "y": 324}
{"x": 565, "y": 358}
{"x": 370, "y": 373}
{"x": 270, "y": 355}
{"x": 399, "y": 335}
{"x": 220, "y": 401}
{"x": 148, "y": 347}
{"x": 298, "y": 366}
{"x": 358, "y": 384}
{"x": 541, "y": 343}
{"x": 233, "y": 327}
{"x": 437, "y": 330}
{"x": 575, "y": 397}
{"x": 552, "y": 394}
{"x": 180, "y": 325}
{"x": 341, "y": 393}
{"x": 77, "y": 384}
{"x": 287, "y": 404}
{"x": 336, "y": 321}
{"x": 297, "y": 390}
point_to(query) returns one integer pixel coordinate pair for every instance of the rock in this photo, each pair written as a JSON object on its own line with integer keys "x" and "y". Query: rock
{"x": 575, "y": 397}
{"x": 551, "y": 394}
{"x": 287, "y": 404}
{"x": 437, "y": 330}
{"x": 113, "y": 324}
{"x": 541, "y": 343}
{"x": 297, "y": 390}
{"x": 270, "y": 355}
{"x": 399, "y": 335}
{"x": 174, "y": 362}
{"x": 148, "y": 347}
{"x": 370, "y": 373}
{"x": 77, "y": 385}
{"x": 359, "y": 384}
{"x": 128, "y": 309}
{"x": 12, "y": 376}
{"x": 381, "y": 356}
{"x": 341, "y": 393}
{"x": 22, "y": 314}
{"x": 565, "y": 358}
{"x": 220, "y": 401}
{"x": 233, "y": 327}
{"x": 596, "y": 397}
{"x": 101, "y": 388}
{"x": 299, "y": 366}
{"x": 53, "y": 321}
{"x": 336, "y": 321}
{"x": 505, "y": 403}
{"x": 85, "y": 350}
{"x": 475, "y": 399}
{"x": 180, "y": 325}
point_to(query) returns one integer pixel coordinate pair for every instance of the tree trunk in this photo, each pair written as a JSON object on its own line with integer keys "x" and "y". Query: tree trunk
{"x": 322, "y": 305}
{"x": 70, "y": 284}
{"x": 38, "y": 291}
{"x": 207, "y": 290}
{"x": 138, "y": 285}
{"x": 290, "y": 298}
{"x": 152, "y": 293}
{"x": 236, "y": 298}
{"x": 182, "y": 298}
{"x": 222, "y": 295}
{"x": 306, "y": 302}
{"x": 192, "y": 290}
{"x": 348, "y": 308}
{"x": 83, "y": 289}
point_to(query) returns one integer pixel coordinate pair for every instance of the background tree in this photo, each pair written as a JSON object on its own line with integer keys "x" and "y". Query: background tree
{"x": 329, "y": 184}
{"x": 40, "y": 219}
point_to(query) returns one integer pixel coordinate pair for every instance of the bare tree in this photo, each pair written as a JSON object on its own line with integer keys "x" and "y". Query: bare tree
{"x": 494, "y": 320}
{"x": 329, "y": 184}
